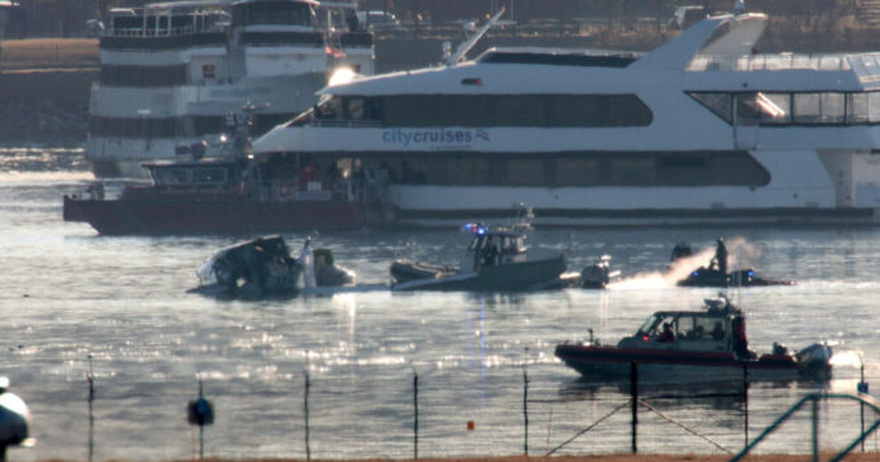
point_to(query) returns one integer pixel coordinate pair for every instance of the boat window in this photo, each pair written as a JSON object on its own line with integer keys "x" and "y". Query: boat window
{"x": 331, "y": 109}
{"x": 273, "y": 13}
{"x": 719, "y": 103}
{"x": 874, "y": 107}
{"x": 304, "y": 118}
{"x": 477, "y": 242}
{"x": 649, "y": 326}
{"x": 526, "y": 172}
{"x": 794, "y": 108}
{"x": 354, "y": 108}
{"x": 143, "y": 76}
{"x": 577, "y": 171}
{"x": 857, "y": 108}
{"x": 700, "y": 328}
{"x": 582, "y": 168}
{"x": 819, "y": 108}
{"x": 633, "y": 171}
{"x": 520, "y": 111}
{"x": 775, "y": 108}
{"x": 171, "y": 176}
{"x": 209, "y": 175}
{"x": 514, "y": 111}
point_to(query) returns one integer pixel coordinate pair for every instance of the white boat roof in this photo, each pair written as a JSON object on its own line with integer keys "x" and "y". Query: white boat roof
{"x": 191, "y": 4}
{"x": 717, "y": 53}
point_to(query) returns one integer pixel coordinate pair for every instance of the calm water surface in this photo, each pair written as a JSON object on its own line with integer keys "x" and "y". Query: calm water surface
{"x": 67, "y": 294}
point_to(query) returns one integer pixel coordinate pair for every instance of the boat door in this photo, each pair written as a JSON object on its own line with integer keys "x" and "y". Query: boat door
{"x": 746, "y": 119}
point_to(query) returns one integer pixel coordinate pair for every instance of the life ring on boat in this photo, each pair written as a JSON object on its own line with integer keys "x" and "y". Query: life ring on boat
{"x": 285, "y": 191}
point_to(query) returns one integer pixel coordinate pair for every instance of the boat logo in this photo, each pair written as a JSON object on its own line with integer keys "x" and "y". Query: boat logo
{"x": 444, "y": 138}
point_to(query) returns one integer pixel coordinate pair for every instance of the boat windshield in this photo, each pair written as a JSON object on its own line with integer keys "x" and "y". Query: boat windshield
{"x": 649, "y": 325}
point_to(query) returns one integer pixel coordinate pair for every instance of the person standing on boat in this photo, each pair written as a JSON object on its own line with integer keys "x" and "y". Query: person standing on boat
{"x": 490, "y": 252}
{"x": 740, "y": 342}
{"x": 667, "y": 335}
{"x": 720, "y": 256}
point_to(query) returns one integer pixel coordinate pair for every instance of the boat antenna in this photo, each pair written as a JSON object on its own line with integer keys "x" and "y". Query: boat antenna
{"x": 240, "y": 124}
{"x": 466, "y": 46}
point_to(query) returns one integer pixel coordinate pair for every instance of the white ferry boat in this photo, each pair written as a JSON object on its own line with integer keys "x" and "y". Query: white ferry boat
{"x": 173, "y": 72}
{"x": 703, "y": 130}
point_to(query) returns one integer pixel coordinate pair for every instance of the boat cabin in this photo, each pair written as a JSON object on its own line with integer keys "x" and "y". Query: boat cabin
{"x": 496, "y": 245}
{"x": 201, "y": 173}
{"x": 721, "y": 328}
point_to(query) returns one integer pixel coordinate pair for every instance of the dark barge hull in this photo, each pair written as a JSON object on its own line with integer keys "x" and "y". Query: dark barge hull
{"x": 180, "y": 216}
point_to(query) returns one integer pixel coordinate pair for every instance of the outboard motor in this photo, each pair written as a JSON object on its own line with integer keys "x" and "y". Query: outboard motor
{"x": 815, "y": 360}
{"x": 15, "y": 420}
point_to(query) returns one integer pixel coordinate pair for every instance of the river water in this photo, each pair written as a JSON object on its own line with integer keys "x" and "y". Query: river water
{"x": 76, "y": 305}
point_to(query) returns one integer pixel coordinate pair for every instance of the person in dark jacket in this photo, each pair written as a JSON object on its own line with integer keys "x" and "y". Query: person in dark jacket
{"x": 720, "y": 260}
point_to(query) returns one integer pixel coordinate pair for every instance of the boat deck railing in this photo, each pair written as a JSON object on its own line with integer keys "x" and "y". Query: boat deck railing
{"x": 161, "y": 32}
{"x": 771, "y": 62}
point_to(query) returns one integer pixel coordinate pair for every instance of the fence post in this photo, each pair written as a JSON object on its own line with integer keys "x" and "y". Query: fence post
{"x": 526, "y": 405}
{"x": 815, "y": 412}
{"x": 416, "y": 415}
{"x": 862, "y": 388}
{"x": 746, "y": 404}
{"x": 634, "y": 397}
{"x": 91, "y": 400}
{"x": 306, "y": 409}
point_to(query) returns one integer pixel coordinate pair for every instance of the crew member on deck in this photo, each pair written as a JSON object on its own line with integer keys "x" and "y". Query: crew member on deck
{"x": 666, "y": 335}
{"x": 720, "y": 260}
{"x": 490, "y": 252}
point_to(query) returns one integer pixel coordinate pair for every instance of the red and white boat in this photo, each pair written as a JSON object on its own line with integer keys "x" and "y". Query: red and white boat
{"x": 691, "y": 346}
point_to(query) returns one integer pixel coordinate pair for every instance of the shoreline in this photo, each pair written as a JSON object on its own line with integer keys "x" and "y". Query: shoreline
{"x": 852, "y": 457}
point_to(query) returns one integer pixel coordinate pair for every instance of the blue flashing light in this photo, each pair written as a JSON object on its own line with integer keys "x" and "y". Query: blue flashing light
{"x": 477, "y": 228}
{"x": 696, "y": 273}
{"x": 751, "y": 273}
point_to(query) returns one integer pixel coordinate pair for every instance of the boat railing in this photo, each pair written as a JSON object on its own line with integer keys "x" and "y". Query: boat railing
{"x": 283, "y": 190}
{"x": 334, "y": 123}
{"x": 771, "y": 62}
{"x": 340, "y": 190}
{"x": 151, "y": 32}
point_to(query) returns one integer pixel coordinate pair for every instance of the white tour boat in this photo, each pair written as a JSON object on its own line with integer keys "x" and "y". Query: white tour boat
{"x": 172, "y": 73}
{"x": 701, "y": 130}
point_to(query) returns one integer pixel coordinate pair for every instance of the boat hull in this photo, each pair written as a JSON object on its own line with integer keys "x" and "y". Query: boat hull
{"x": 509, "y": 277}
{"x": 234, "y": 216}
{"x": 597, "y": 362}
{"x": 704, "y": 277}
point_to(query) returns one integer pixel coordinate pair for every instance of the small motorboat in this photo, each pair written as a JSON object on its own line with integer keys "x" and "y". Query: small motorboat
{"x": 691, "y": 346}
{"x": 500, "y": 264}
{"x": 251, "y": 270}
{"x": 710, "y": 277}
{"x": 716, "y": 273}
